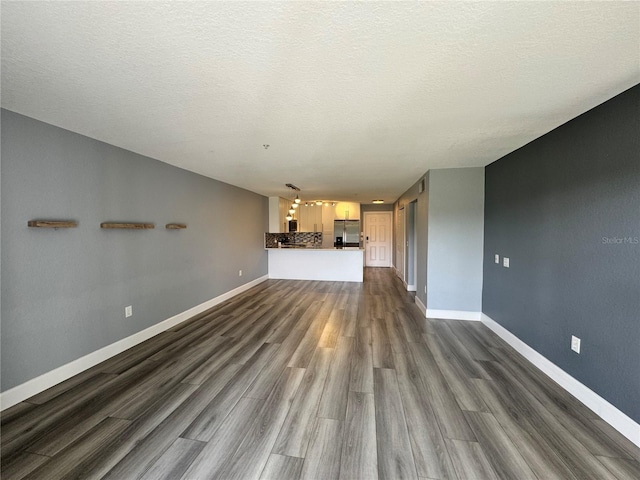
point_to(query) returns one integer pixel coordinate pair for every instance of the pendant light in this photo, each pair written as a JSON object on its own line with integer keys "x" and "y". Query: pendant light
{"x": 294, "y": 204}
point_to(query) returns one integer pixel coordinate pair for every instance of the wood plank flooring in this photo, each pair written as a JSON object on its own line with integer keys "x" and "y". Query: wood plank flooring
{"x": 314, "y": 380}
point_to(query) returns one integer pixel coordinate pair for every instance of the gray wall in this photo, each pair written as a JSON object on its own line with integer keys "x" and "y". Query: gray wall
{"x": 456, "y": 219}
{"x": 566, "y": 210}
{"x": 64, "y": 292}
{"x": 449, "y": 226}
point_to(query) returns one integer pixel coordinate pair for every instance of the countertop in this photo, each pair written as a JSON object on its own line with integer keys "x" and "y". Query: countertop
{"x": 316, "y": 249}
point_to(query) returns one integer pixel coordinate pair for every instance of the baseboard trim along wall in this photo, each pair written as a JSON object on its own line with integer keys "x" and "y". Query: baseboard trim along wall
{"x": 609, "y": 413}
{"x": 421, "y": 306}
{"x": 47, "y": 380}
{"x": 398, "y": 273}
{"x": 453, "y": 314}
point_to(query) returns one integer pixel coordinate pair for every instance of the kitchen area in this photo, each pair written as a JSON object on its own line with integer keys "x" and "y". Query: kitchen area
{"x": 315, "y": 240}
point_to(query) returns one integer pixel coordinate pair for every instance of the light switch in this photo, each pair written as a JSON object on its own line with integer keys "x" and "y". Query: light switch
{"x": 497, "y": 258}
{"x": 575, "y": 344}
{"x": 505, "y": 262}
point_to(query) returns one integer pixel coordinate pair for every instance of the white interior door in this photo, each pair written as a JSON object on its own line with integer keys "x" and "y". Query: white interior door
{"x": 377, "y": 239}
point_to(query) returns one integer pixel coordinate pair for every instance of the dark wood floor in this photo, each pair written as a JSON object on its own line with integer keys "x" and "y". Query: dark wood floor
{"x": 314, "y": 380}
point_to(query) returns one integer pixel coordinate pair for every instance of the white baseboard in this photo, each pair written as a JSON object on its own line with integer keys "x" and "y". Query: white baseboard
{"x": 47, "y": 380}
{"x": 609, "y": 413}
{"x": 421, "y": 306}
{"x": 453, "y": 314}
{"x": 397, "y": 272}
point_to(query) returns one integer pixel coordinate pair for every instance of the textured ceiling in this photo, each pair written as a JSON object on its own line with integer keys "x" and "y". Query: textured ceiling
{"x": 355, "y": 100}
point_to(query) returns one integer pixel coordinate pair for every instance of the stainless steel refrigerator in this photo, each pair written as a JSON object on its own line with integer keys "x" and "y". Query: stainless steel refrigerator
{"x": 346, "y": 233}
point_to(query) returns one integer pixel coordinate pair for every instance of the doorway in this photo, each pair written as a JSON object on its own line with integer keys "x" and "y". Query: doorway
{"x": 377, "y": 239}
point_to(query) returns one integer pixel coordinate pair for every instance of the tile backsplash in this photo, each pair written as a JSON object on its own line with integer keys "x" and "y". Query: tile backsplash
{"x": 271, "y": 239}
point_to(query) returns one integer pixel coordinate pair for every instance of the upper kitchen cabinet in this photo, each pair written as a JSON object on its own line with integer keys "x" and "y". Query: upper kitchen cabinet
{"x": 284, "y": 205}
{"x": 328, "y": 216}
{"x": 302, "y": 214}
{"x": 310, "y": 217}
{"x": 278, "y": 210}
{"x": 347, "y": 211}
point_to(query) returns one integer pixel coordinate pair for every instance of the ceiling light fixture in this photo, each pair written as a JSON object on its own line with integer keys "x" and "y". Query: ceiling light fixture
{"x": 297, "y": 200}
{"x": 291, "y": 211}
{"x": 378, "y": 201}
{"x": 319, "y": 202}
{"x": 288, "y": 217}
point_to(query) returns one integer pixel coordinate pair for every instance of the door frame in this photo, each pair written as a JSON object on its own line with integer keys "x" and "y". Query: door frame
{"x": 364, "y": 231}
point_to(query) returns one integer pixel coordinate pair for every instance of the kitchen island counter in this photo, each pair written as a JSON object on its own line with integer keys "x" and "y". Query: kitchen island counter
{"x": 327, "y": 264}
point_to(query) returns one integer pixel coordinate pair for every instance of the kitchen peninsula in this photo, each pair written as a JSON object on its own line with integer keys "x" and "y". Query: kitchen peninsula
{"x": 301, "y": 257}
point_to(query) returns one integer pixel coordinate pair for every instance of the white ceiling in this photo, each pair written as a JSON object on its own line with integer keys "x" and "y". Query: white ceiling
{"x": 356, "y": 100}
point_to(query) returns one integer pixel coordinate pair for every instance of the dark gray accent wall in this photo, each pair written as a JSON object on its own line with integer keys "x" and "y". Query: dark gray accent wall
{"x": 64, "y": 292}
{"x": 566, "y": 210}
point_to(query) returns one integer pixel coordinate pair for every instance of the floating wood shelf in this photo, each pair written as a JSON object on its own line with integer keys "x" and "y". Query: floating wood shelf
{"x": 175, "y": 226}
{"x": 52, "y": 223}
{"x": 134, "y": 226}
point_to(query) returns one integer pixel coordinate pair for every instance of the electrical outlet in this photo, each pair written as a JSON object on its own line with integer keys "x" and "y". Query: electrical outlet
{"x": 575, "y": 344}
{"x": 128, "y": 311}
{"x": 496, "y": 258}
{"x": 239, "y": 273}
{"x": 505, "y": 262}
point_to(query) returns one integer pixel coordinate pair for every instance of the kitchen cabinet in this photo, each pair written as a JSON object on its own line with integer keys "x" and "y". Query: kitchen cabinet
{"x": 310, "y": 218}
{"x": 283, "y": 209}
{"x": 302, "y": 214}
{"x": 347, "y": 211}
{"x": 319, "y": 218}
{"x": 328, "y": 216}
